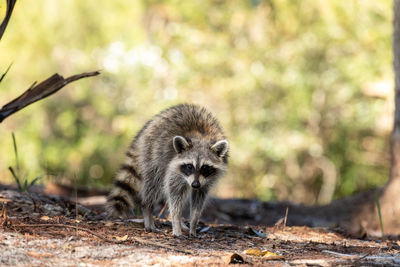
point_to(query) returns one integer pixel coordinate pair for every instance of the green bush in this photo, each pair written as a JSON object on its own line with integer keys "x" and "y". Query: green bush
{"x": 301, "y": 88}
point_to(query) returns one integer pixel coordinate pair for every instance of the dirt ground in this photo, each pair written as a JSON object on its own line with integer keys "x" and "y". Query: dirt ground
{"x": 42, "y": 230}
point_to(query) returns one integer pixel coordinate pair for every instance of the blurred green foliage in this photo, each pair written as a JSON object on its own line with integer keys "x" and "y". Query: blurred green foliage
{"x": 302, "y": 88}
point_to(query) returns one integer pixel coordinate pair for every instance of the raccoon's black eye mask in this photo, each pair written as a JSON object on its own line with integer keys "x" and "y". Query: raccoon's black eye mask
{"x": 205, "y": 170}
{"x": 187, "y": 169}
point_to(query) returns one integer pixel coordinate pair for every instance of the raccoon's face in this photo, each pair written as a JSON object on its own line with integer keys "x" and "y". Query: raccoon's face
{"x": 197, "y": 176}
{"x": 199, "y": 162}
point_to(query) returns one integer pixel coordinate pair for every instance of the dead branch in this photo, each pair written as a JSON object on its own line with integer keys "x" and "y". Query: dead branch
{"x": 10, "y": 7}
{"x": 135, "y": 239}
{"x": 40, "y": 91}
{"x": 5, "y": 73}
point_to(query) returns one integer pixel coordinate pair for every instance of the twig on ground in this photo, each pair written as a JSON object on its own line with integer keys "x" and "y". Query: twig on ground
{"x": 343, "y": 255}
{"x": 4, "y": 215}
{"x": 135, "y": 239}
{"x": 4, "y": 211}
{"x": 162, "y": 210}
{"x": 284, "y": 222}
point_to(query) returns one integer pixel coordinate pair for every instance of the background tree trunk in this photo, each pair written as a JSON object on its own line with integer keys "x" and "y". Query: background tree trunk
{"x": 359, "y": 214}
{"x": 390, "y": 194}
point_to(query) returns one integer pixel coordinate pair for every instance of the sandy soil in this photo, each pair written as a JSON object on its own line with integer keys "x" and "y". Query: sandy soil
{"x": 40, "y": 230}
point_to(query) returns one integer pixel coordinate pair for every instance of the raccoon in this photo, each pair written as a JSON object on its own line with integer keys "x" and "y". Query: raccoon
{"x": 178, "y": 155}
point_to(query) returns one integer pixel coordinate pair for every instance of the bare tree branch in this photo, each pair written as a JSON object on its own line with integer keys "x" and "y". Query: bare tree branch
{"x": 5, "y": 73}
{"x": 10, "y": 7}
{"x": 40, "y": 91}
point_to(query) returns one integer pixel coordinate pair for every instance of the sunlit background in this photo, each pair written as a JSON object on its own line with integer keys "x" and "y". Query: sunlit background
{"x": 302, "y": 88}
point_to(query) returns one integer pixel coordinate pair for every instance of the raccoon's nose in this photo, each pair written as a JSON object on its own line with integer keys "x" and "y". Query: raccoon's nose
{"x": 196, "y": 184}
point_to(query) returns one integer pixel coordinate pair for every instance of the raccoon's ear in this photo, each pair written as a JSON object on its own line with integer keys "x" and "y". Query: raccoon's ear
{"x": 221, "y": 148}
{"x": 180, "y": 143}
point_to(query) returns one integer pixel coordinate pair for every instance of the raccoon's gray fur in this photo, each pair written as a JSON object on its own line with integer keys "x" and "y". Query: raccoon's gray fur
{"x": 179, "y": 154}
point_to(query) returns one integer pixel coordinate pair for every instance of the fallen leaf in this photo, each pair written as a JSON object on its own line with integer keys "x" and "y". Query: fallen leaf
{"x": 234, "y": 258}
{"x": 45, "y": 218}
{"x": 259, "y": 233}
{"x": 272, "y": 256}
{"x": 205, "y": 229}
{"x": 254, "y": 252}
{"x": 125, "y": 237}
{"x": 265, "y": 254}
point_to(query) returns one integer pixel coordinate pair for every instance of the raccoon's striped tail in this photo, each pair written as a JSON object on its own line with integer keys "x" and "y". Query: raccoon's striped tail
{"x": 125, "y": 193}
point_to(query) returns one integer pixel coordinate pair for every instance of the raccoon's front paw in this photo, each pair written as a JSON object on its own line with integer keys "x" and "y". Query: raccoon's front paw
{"x": 177, "y": 233}
{"x": 150, "y": 225}
{"x": 183, "y": 237}
{"x": 192, "y": 232}
{"x": 151, "y": 228}
{"x": 156, "y": 230}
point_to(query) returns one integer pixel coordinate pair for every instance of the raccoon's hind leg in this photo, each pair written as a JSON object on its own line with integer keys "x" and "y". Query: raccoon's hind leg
{"x": 150, "y": 194}
{"x": 148, "y": 207}
{"x": 196, "y": 207}
{"x": 149, "y": 224}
